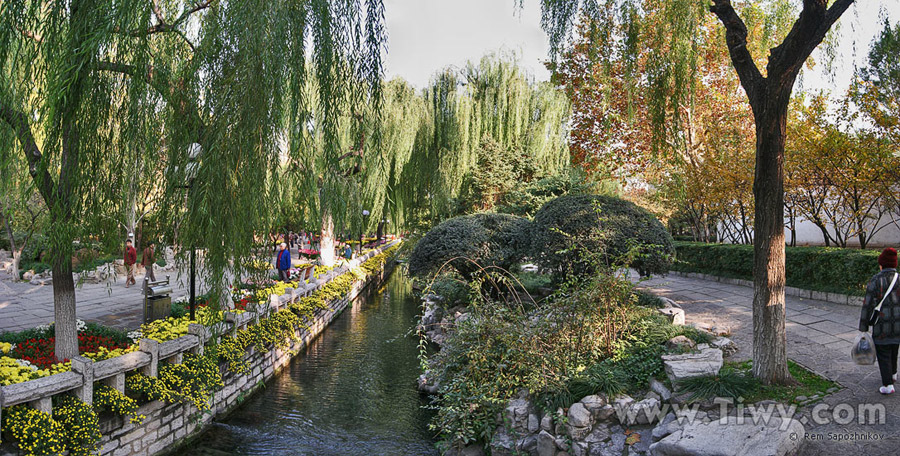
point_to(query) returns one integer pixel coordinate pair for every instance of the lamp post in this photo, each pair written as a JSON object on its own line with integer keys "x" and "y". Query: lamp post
{"x": 365, "y": 214}
{"x": 191, "y": 173}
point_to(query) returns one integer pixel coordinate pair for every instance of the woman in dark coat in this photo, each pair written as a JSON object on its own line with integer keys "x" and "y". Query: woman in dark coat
{"x": 886, "y": 330}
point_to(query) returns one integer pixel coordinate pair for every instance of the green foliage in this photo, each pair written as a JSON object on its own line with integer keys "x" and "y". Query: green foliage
{"x": 526, "y": 201}
{"x": 498, "y": 169}
{"x": 807, "y": 384}
{"x": 728, "y": 383}
{"x": 592, "y": 338}
{"x": 470, "y": 242}
{"x": 454, "y": 290}
{"x": 532, "y": 281}
{"x": 828, "y": 269}
{"x": 574, "y": 234}
{"x": 647, "y": 299}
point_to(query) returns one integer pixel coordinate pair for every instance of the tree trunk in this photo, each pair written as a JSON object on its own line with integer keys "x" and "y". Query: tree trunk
{"x": 326, "y": 241}
{"x": 64, "y": 308}
{"x": 769, "y": 338}
{"x": 16, "y": 253}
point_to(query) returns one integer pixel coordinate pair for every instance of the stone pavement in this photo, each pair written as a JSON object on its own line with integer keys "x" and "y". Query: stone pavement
{"x": 819, "y": 337}
{"x": 24, "y": 306}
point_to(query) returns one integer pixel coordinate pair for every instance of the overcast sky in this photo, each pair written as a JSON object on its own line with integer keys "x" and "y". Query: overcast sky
{"x": 425, "y": 36}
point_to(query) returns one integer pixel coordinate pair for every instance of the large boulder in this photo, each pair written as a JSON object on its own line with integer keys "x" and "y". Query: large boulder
{"x": 674, "y": 314}
{"x": 777, "y": 438}
{"x": 680, "y": 367}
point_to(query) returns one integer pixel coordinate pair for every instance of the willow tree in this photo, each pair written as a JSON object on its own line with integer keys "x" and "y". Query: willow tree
{"x": 768, "y": 93}
{"x": 218, "y": 77}
{"x": 493, "y": 99}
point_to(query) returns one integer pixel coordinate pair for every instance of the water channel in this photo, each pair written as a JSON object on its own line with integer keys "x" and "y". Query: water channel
{"x": 351, "y": 392}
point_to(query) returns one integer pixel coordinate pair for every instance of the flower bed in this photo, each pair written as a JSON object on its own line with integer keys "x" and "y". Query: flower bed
{"x": 28, "y": 355}
{"x": 73, "y": 426}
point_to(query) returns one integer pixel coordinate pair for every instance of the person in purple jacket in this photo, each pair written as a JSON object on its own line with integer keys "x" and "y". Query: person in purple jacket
{"x": 283, "y": 263}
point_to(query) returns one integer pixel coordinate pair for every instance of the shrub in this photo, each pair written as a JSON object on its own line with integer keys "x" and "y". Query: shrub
{"x": 552, "y": 351}
{"x": 728, "y": 383}
{"x": 827, "y": 269}
{"x": 571, "y": 228}
{"x": 470, "y": 241}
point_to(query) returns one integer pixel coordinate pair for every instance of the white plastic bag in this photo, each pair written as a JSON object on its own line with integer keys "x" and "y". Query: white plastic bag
{"x": 863, "y": 351}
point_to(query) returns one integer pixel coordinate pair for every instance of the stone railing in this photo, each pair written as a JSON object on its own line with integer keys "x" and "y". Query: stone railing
{"x": 79, "y": 381}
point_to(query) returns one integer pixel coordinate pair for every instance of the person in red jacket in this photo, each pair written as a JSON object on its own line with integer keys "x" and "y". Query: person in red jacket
{"x": 130, "y": 260}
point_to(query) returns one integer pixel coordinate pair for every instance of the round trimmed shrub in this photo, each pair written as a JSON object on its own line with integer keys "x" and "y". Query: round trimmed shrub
{"x": 472, "y": 241}
{"x": 577, "y": 234}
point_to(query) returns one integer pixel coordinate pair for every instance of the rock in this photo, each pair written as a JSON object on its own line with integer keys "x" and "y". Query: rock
{"x": 618, "y": 443}
{"x": 674, "y": 314}
{"x": 593, "y": 403}
{"x": 502, "y": 444}
{"x": 665, "y": 427}
{"x": 579, "y": 449}
{"x": 471, "y": 450}
{"x": 602, "y": 449}
{"x": 579, "y": 423}
{"x": 28, "y": 275}
{"x": 515, "y": 415}
{"x": 680, "y": 367}
{"x": 579, "y": 416}
{"x": 801, "y": 398}
{"x": 640, "y": 442}
{"x": 427, "y": 384}
{"x": 546, "y": 444}
{"x": 561, "y": 443}
{"x": 668, "y": 303}
{"x": 547, "y": 423}
{"x": 642, "y": 412}
{"x": 725, "y": 344}
{"x": 680, "y": 343}
{"x": 652, "y": 395}
{"x": 528, "y": 444}
{"x": 600, "y": 433}
{"x": 745, "y": 439}
{"x": 605, "y": 413}
{"x": 534, "y": 423}
{"x": 657, "y": 387}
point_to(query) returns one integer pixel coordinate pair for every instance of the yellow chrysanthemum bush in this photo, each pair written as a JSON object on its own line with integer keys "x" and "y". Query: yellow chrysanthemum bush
{"x": 80, "y": 424}
{"x": 36, "y": 432}
{"x": 194, "y": 380}
{"x": 109, "y": 399}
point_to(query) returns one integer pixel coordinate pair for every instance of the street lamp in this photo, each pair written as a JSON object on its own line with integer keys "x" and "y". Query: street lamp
{"x": 365, "y": 214}
{"x": 193, "y": 165}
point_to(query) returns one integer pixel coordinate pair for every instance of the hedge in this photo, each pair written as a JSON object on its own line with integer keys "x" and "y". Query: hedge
{"x": 828, "y": 269}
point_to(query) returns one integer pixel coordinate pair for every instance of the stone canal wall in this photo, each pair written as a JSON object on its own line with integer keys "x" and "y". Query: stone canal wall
{"x": 167, "y": 426}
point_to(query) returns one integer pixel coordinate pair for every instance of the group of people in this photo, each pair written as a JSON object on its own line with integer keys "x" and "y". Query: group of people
{"x": 283, "y": 258}
{"x": 884, "y": 289}
{"x": 148, "y": 258}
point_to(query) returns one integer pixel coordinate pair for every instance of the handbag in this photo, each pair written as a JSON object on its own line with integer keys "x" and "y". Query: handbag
{"x": 863, "y": 351}
{"x": 877, "y": 311}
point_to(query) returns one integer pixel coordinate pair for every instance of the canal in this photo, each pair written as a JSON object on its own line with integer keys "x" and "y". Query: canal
{"x": 351, "y": 392}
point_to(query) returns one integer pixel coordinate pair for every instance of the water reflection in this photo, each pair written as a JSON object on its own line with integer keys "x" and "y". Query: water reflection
{"x": 351, "y": 393}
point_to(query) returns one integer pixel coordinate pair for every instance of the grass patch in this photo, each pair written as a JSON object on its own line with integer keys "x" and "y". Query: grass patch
{"x": 808, "y": 384}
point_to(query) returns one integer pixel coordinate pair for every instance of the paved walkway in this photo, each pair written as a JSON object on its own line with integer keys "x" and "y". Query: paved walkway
{"x": 24, "y": 306}
{"x": 819, "y": 336}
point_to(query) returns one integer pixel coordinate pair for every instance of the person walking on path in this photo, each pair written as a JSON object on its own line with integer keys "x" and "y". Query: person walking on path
{"x": 886, "y": 329}
{"x": 283, "y": 263}
{"x": 148, "y": 258}
{"x": 130, "y": 260}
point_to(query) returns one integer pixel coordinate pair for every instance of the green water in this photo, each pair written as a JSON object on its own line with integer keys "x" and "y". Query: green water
{"x": 351, "y": 392}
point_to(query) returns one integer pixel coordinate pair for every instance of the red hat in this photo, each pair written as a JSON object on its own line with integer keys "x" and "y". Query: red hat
{"x": 888, "y": 258}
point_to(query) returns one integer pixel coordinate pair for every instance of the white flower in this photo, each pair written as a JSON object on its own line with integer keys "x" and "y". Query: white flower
{"x": 27, "y": 364}
{"x": 135, "y": 335}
